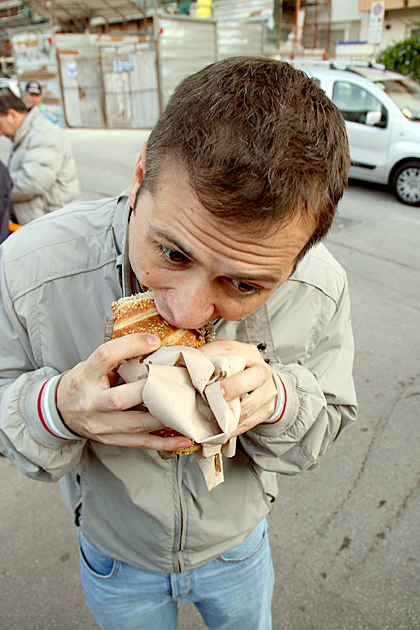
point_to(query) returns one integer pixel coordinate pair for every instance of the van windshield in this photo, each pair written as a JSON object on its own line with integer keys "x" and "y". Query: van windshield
{"x": 405, "y": 93}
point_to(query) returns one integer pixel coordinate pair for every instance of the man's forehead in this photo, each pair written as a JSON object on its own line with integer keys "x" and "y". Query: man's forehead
{"x": 172, "y": 174}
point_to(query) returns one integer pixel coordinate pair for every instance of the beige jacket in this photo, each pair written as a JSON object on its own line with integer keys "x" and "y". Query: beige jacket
{"x": 58, "y": 278}
{"x": 42, "y": 168}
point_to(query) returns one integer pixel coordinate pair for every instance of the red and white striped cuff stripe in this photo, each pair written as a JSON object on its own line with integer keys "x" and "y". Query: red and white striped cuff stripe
{"x": 47, "y": 411}
{"x": 281, "y": 400}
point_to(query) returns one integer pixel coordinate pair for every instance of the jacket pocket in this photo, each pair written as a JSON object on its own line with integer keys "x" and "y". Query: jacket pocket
{"x": 267, "y": 483}
{"x": 96, "y": 562}
{"x": 249, "y": 546}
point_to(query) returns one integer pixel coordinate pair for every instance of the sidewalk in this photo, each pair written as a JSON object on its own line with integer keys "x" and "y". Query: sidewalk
{"x": 106, "y": 159}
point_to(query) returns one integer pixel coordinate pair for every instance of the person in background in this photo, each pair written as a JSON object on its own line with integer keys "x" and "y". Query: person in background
{"x": 41, "y": 163}
{"x": 33, "y": 98}
{"x": 5, "y": 203}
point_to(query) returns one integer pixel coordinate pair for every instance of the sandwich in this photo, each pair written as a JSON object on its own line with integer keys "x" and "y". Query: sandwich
{"x": 138, "y": 313}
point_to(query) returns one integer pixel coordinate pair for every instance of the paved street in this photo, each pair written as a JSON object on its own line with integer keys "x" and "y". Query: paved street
{"x": 346, "y": 536}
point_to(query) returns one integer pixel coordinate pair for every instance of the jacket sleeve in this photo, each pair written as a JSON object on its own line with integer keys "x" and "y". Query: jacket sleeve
{"x": 41, "y": 162}
{"x": 25, "y": 434}
{"x": 319, "y": 400}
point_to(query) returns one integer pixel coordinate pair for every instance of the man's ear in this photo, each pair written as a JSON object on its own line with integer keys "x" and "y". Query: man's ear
{"x": 138, "y": 175}
{"x": 15, "y": 116}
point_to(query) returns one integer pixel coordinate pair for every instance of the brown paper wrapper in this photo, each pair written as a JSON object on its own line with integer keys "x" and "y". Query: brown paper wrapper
{"x": 183, "y": 391}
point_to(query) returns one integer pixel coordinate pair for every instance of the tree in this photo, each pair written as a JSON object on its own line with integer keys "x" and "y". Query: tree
{"x": 404, "y": 57}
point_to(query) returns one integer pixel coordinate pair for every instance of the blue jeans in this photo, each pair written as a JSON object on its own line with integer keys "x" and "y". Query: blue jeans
{"x": 232, "y": 592}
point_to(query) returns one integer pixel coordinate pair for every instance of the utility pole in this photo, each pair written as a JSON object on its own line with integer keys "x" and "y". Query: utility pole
{"x": 279, "y": 22}
{"x": 54, "y": 41}
{"x": 156, "y": 35}
{"x": 297, "y": 25}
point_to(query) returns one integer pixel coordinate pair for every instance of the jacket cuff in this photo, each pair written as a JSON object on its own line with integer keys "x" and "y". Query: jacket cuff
{"x": 48, "y": 425}
{"x": 281, "y": 400}
{"x": 287, "y": 405}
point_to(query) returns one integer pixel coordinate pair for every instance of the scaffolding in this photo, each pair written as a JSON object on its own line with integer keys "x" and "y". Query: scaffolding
{"x": 304, "y": 28}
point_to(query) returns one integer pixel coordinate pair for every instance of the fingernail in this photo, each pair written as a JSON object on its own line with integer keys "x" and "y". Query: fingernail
{"x": 184, "y": 443}
{"x": 153, "y": 340}
{"x": 222, "y": 389}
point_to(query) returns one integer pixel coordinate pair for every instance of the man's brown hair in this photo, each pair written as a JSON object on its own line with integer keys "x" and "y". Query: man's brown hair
{"x": 260, "y": 141}
{"x": 9, "y": 101}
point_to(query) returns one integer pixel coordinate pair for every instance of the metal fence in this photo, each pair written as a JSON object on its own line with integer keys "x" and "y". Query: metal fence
{"x": 109, "y": 83}
{"x": 186, "y": 45}
{"x": 240, "y": 38}
{"x": 112, "y": 80}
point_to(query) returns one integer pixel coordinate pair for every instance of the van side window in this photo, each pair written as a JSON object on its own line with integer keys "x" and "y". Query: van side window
{"x": 355, "y": 102}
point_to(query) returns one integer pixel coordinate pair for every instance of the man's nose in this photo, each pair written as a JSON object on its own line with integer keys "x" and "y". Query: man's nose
{"x": 191, "y": 305}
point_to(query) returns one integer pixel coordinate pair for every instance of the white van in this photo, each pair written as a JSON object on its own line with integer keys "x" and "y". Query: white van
{"x": 382, "y": 113}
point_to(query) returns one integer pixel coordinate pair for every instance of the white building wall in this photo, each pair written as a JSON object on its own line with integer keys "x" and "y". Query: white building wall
{"x": 345, "y": 14}
{"x": 344, "y": 10}
{"x": 398, "y": 25}
{"x": 348, "y": 24}
{"x": 345, "y": 19}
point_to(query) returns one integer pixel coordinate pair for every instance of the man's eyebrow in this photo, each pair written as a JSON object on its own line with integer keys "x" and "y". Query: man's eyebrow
{"x": 253, "y": 278}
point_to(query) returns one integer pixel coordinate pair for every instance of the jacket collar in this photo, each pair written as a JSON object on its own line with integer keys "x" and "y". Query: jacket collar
{"x": 120, "y": 231}
{"x": 32, "y": 116}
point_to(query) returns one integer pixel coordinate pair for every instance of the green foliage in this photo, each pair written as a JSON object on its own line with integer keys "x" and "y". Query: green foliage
{"x": 403, "y": 57}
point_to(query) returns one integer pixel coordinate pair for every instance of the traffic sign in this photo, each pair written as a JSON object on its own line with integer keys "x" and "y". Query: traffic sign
{"x": 377, "y": 13}
{"x": 376, "y": 22}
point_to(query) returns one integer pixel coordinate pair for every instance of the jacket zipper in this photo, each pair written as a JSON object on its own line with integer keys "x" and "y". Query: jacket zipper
{"x": 181, "y": 512}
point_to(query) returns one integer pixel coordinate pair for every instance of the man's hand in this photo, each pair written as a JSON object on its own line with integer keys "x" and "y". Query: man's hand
{"x": 256, "y": 380}
{"x": 92, "y": 408}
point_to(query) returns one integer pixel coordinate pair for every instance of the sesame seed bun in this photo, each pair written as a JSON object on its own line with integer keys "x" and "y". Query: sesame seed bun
{"x": 138, "y": 313}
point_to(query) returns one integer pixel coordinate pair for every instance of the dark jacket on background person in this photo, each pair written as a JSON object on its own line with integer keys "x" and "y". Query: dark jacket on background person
{"x": 5, "y": 203}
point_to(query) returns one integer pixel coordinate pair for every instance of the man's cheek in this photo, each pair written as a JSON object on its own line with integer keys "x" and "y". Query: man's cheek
{"x": 152, "y": 276}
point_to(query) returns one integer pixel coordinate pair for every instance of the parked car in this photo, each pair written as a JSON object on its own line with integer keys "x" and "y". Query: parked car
{"x": 382, "y": 113}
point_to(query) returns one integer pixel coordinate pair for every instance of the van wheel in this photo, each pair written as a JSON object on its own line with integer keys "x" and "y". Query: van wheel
{"x": 406, "y": 183}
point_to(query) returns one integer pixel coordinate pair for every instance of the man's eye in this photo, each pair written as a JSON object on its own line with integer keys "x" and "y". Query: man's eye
{"x": 244, "y": 287}
{"x": 173, "y": 255}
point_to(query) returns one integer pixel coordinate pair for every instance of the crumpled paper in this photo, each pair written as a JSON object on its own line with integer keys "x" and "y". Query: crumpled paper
{"x": 183, "y": 391}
